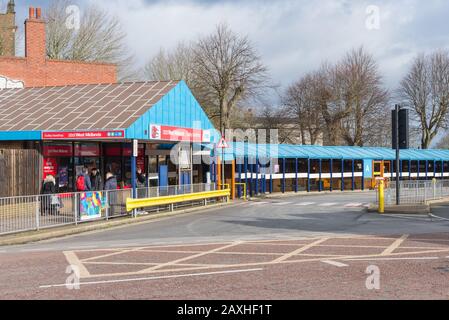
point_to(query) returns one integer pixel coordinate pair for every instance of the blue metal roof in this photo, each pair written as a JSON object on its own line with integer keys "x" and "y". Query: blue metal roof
{"x": 285, "y": 151}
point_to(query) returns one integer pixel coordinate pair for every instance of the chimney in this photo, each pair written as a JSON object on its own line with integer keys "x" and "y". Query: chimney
{"x": 35, "y": 38}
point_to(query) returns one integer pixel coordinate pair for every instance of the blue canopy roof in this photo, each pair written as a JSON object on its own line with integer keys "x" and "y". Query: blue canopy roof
{"x": 285, "y": 151}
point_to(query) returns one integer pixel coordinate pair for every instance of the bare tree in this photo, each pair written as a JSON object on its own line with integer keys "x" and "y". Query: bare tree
{"x": 226, "y": 70}
{"x": 98, "y": 38}
{"x": 331, "y": 101}
{"x": 176, "y": 64}
{"x": 426, "y": 90}
{"x": 363, "y": 94}
{"x": 300, "y": 101}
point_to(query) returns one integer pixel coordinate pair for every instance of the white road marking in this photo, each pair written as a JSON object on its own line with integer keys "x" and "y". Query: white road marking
{"x": 258, "y": 203}
{"x": 303, "y": 204}
{"x": 282, "y": 203}
{"x": 353, "y": 205}
{"x": 391, "y": 259}
{"x": 153, "y": 278}
{"x": 35, "y": 250}
{"x": 335, "y": 263}
{"x": 330, "y": 204}
{"x": 395, "y": 245}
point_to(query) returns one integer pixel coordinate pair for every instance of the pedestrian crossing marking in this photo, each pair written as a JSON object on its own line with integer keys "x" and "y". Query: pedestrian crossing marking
{"x": 303, "y": 204}
{"x": 330, "y": 204}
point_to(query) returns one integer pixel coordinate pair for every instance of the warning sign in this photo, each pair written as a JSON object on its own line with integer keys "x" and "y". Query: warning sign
{"x": 222, "y": 144}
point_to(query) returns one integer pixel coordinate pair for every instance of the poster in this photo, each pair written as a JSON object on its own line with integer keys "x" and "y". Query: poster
{"x": 92, "y": 204}
{"x": 63, "y": 174}
{"x": 50, "y": 167}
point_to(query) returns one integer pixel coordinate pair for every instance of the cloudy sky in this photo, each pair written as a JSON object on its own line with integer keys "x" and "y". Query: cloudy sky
{"x": 292, "y": 36}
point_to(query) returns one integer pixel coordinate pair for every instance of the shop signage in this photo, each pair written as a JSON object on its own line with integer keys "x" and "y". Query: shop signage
{"x": 83, "y": 135}
{"x": 57, "y": 151}
{"x": 178, "y": 134}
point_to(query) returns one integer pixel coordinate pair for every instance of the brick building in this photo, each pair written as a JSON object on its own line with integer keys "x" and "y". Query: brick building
{"x": 35, "y": 70}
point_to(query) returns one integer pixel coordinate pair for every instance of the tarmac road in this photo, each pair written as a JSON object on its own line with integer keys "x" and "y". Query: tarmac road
{"x": 308, "y": 247}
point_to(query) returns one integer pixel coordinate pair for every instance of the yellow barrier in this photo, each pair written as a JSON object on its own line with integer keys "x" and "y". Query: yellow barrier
{"x": 132, "y": 204}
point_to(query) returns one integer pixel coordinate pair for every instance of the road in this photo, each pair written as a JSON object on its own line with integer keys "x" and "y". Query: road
{"x": 300, "y": 247}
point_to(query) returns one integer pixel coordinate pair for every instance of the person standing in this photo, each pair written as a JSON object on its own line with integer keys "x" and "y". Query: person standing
{"x": 110, "y": 186}
{"x": 96, "y": 180}
{"x": 83, "y": 182}
{"x": 48, "y": 205}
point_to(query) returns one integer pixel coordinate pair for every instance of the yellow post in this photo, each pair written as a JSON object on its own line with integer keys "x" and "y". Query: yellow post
{"x": 381, "y": 197}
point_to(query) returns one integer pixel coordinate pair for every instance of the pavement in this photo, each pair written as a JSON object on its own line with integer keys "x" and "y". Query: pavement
{"x": 299, "y": 247}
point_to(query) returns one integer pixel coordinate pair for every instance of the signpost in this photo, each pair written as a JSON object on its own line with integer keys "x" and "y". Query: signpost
{"x": 398, "y": 193}
{"x": 222, "y": 145}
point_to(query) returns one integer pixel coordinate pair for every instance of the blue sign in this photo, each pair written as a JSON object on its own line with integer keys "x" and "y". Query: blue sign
{"x": 367, "y": 168}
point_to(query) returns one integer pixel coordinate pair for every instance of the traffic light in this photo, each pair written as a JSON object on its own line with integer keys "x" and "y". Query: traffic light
{"x": 404, "y": 137}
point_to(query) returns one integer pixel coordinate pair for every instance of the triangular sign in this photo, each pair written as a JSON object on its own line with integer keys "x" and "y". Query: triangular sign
{"x": 222, "y": 144}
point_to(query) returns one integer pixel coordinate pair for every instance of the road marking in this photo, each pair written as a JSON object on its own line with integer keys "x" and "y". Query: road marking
{"x": 392, "y": 259}
{"x": 153, "y": 278}
{"x": 170, "y": 263}
{"x": 282, "y": 203}
{"x": 300, "y": 250}
{"x": 395, "y": 245}
{"x": 258, "y": 203}
{"x": 73, "y": 260}
{"x": 36, "y": 250}
{"x": 114, "y": 253}
{"x": 330, "y": 204}
{"x": 354, "y": 205}
{"x": 335, "y": 263}
{"x": 303, "y": 204}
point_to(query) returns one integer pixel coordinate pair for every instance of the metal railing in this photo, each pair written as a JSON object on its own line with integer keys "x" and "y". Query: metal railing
{"x": 27, "y": 213}
{"x": 417, "y": 192}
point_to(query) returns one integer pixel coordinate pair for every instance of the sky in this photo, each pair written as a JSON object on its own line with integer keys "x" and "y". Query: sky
{"x": 292, "y": 36}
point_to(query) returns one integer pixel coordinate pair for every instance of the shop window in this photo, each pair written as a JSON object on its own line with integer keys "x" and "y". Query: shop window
{"x": 405, "y": 166}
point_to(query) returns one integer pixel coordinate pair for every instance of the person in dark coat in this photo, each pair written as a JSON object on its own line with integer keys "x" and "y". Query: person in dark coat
{"x": 110, "y": 186}
{"x": 48, "y": 200}
{"x": 96, "y": 180}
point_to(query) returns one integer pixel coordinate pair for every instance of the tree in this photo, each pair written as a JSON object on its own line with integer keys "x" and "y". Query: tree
{"x": 362, "y": 93}
{"x": 174, "y": 65}
{"x": 99, "y": 37}
{"x": 426, "y": 90}
{"x": 226, "y": 70}
{"x": 300, "y": 102}
{"x": 331, "y": 102}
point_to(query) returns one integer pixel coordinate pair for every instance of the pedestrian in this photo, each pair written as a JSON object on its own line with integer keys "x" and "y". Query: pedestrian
{"x": 110, "y": 186}
{"x": 96, "y": 180}
{"x": 83, "y": 182}
{"x": 49, "y": 200}
{"x": 140, "y": 183}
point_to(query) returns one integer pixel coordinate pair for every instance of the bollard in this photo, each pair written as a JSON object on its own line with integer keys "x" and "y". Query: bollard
{"x": 381, "y": 197}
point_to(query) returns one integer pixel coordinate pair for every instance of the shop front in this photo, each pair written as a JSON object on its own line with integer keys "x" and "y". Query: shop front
{"x": 157, "y": 127}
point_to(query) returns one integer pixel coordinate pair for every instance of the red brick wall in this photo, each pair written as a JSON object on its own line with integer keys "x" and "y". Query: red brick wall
{"x": 37, "y": 71}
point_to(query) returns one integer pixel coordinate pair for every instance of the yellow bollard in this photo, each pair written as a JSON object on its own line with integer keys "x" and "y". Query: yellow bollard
{"x": 381, "y": 197}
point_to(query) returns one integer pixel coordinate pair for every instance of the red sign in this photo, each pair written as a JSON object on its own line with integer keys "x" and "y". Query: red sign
{"x": 50, "y": 167}
{"x": 87, "y": 150}
{"x": 83, "y": 135}
{"x": 177, "y": 134}
{"x": 57, "y": 151}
